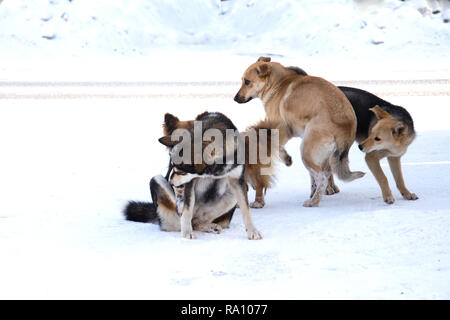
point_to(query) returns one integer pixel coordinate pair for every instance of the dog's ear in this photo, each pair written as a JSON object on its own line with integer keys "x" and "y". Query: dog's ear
{"x": 379, "y": 113}
{"x": 167, "y": 141}
{"x": 264, "y": 59}
{"x": 170, "y": 123}
{"x": 399, "y": 129}
{"x": 263, "y": 70}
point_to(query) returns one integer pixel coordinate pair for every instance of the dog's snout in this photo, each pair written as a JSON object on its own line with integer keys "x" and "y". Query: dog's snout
{"x": 238, "y": 98}
{"x": 360, "y": 147}
{"x": 241, "y": 99}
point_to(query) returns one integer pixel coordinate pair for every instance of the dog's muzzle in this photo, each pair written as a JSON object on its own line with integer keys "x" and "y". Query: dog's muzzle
{"x": 240, "y": 99}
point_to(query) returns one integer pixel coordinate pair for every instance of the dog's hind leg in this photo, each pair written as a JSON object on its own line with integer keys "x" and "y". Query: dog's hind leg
{"x": 316, "y": 150}
{"x": 225, "y": 219}
{"x": 164, "y": 198}
{"x": 313, "y": 186}
{"x": 396, "y": 169}
{"x": 373, "y": 162}
{"x": 259, "y": 198}
{"x": 320, "y": 181}
{"x": 209, "y": 227}
{"x": 332, "y": 188}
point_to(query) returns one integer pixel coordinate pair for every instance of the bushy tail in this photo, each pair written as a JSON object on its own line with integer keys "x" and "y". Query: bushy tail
{"x": 140, "y": 212}
{"x": 261, "y": 173}
{"x": 339, "y": 165}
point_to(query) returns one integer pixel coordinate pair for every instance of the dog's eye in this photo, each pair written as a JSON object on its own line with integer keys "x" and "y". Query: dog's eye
{"x": 247, "y": 82}
{"x": 377, "y": 139}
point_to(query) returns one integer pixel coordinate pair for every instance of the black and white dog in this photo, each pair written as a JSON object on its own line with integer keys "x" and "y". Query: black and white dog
{"x": 205, "y": 180}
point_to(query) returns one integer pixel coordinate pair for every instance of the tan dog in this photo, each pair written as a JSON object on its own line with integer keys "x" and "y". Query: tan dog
{"x": 307, "y": 107}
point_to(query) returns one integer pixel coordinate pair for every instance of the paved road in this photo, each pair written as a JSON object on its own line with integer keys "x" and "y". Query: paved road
{"x": 196, "y": 90}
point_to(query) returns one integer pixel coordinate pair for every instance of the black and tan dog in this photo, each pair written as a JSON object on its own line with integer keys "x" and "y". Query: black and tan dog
{"x": 383, "y": 130}
{"x": 204, "y": 182}
{"x": 307, "y": 107}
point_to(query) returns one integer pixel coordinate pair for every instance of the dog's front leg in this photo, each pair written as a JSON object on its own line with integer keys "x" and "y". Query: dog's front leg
{"x": 284, "y": 135}
{"x": 188, "y": 210}
{"x": 373, "y": 162}
{"x": 285, "y": 157}
{"x": 238, "y": 189}
{"x": 396, "y": 169}
{"x": 179, "y": 195}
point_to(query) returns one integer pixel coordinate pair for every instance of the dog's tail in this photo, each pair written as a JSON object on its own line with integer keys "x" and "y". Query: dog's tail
{"x": 261, "y": 174}
{"x": 339, "y": 164}
{"x": 141, "y": 212}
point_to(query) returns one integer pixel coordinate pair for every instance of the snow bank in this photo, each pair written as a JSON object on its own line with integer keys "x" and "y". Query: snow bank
{"x": 348, "y": 28}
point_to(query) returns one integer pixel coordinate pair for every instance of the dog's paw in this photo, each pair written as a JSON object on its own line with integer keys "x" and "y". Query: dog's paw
{"x": 389, "y": 199}
{"x": 257, "y": 204}
{"x": 288, "y": 161}
{"x": 310, "y": 203}
{"x": 410, "y": 196}
{"x": 212, "y": 228}
{"x": 254, "y": 234}
{"x": 189, "y": 235}
{"x": 333, "y": 189}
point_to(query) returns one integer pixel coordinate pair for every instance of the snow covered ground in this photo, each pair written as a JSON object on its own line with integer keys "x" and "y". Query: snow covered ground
{"x": 73, "y": 154}
{"x": 70, "y": 165}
